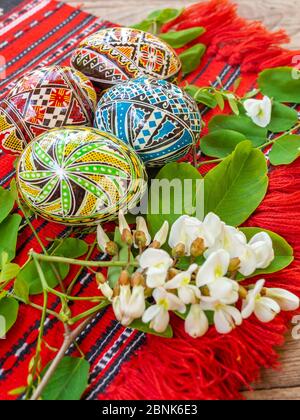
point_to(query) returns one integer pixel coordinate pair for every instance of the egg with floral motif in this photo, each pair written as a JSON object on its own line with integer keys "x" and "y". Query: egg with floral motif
{"x": 156, "y": 118}
{"x": 80, "y": 176}
{"x": 43, "y": 99}
{"x": 114, "y": 55}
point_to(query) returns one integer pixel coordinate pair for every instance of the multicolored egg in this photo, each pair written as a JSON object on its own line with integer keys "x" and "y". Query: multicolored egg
{"x": 80, "y": 176}
{"x": 43, "y": 99}
{"x": 158, "y": 119}
{"x": 114, "y": 55}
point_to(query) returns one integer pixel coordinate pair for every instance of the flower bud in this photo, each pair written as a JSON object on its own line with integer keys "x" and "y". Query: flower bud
{"x": 161, "y": 237}
{"x": 100, "y": 278}
{"x": 140, "y": 239}
{"x": 116, "y": 290}
{"x": 234, "y": 265}
{"x": 138, "y": 279}
{"x": 112, "y": 249}
{"x": 243, "y": 292}
{"x": 178, "y": 251}
{"x": 125, "y": 230}
{"x": 124, "y": 279}
{"x": 197, "y": 248}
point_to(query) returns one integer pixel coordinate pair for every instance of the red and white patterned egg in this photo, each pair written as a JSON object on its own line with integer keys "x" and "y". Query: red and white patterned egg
{"x": 115, "y": 55}
{"x": 46, "y": 98}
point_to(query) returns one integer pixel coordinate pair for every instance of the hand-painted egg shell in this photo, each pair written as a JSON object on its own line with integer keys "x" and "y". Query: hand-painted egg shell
{"x": 115, "y": 55}
{"x": 43, "y": 99}
{"x": 155, "y": 117}
{"x": 80, "y": 176}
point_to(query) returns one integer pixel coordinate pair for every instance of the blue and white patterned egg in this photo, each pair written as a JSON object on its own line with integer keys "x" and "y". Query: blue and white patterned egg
{"x": 155, "y": 117}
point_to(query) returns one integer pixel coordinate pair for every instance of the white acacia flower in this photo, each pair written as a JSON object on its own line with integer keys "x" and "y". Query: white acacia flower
{"x": 196, "y": 323}
{"x": 187, "y": 229}
{"x": 213, "y": 275}
{"x": 187, "y": 292}
{"x": 226, "y": 317}
{"x": 231, "y": 240}
{"x": 102, "y": 238}
{"x": 260, "y": 111}
{"x": 123, "y": 225}
{"x": 141, "y": 226}
{"x": 157, "y": 263}
{"x": 106, "y": 290}
{"x": 264, "y": 308}
{"x": 158, "y": 314}
{"x": 162, "y": 235}
{"x": 262, "y": 246}
{"x": 286, "y": 300}
{"x": 136, "y": 305}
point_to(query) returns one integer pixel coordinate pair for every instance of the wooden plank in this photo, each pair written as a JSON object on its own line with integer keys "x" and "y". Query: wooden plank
{"x": 274, "y": 13}
{"x": 276, "y": 394}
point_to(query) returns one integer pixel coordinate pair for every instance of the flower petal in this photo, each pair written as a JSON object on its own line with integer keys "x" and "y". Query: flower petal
{"x": 151, "y": 313}
{"x": 196, "y": 323}
{"x": 155, "y": 257}
{"x": 161, "y": 321}
{"x": 266, "y": 309}
{"x": 215, "y": 266}
{"x": 286, "y": 300}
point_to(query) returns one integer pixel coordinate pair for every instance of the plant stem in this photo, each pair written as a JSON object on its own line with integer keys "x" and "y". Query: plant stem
{"x": 54, "y": 269}
{"x": 82, "y": 263}
{"x": 41, "y": 329}
{"x": 74, "y": 281}
{"x": 90, "y": 312}
{"x": 207, "y": 162}
{"x": 38, "y": 307}
{"x": 69, "y": 339}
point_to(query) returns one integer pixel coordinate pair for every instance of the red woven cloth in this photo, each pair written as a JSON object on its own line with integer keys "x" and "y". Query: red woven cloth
{"x": 126, "y": 364}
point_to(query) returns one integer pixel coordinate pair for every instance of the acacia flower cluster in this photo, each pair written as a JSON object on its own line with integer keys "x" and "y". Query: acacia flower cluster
{"x": 216, "y": 255}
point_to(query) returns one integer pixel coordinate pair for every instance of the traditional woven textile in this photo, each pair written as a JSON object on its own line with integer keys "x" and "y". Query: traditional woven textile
{"x": 127, "y": 364}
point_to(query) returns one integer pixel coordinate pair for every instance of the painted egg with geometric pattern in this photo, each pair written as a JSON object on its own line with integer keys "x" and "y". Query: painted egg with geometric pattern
{"x": 80, "y": 176}
{"x": 43, "y": 99}
{"x": 157, "y": 118}
{"x": 115, "y": 55}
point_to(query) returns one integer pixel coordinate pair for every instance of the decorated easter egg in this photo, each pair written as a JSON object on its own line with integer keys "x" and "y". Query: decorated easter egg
{"x": 79, "y": 176}
{"x": 159, "y": 120}
{"x": 114, "y": 55}
{"x": 43, "y": 99}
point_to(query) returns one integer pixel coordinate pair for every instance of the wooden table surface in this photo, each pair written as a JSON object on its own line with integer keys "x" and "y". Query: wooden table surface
{"x": 283, "y": 384}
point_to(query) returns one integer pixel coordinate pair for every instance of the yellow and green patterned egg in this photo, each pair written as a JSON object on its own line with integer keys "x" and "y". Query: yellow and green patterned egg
{"x": 80, "y": 176}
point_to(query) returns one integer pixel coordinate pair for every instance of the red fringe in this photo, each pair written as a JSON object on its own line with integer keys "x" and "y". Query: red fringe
{"x": 217, "y": 367}
{"x": 234, "y": 39}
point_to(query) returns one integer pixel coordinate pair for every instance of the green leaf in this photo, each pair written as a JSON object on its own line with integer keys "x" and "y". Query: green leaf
{"x": 242, "y": 125}
{"x": 145, "y": 25}
{"x": 179, "y": 39}
{"x": 68, "y": 248}
{"x": 72, "y": 248}
{"x": 69, "y": 381}
{"x": 284, "y": 254}
{"x": 221, "y": 143}
{"x": 281, "y": 84}
{"x": 9, "y": 309}
{"x": 9, "y": 230}
{"x": 220, "y": 100}
{"x": 283, "y": 118}
{"x": 236, "y": 187}
{"x": 9, "y": 272}
{"x": 209, "y": 315}
{"x": 7, "y": 201}
{"x": 139, "y": 325}
{"x": 201, "y": 96}
{"x": 114, "y": 273}
{"x": 285, "y": 150}
{"x": 165, "y": 15}
{"x": 173, "y": 194}
{"x": 21, "y": 289}
{"x": 30, "y": 276}
{"x": 191, "y": 58}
